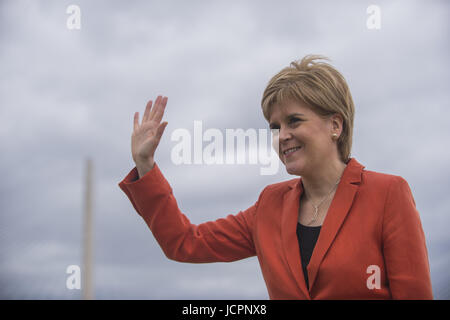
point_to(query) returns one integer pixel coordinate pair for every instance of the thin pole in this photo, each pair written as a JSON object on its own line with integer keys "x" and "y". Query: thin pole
{"x": 87, "y": 237}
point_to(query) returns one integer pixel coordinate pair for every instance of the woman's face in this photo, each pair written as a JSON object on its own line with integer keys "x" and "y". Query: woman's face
{"x": 311, "y": 135}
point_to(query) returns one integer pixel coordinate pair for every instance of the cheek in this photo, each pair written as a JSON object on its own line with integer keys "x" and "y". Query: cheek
{"x": 304, "y": 135}
{"x": 323, "y": 145}
{"x": 315, "y": 144}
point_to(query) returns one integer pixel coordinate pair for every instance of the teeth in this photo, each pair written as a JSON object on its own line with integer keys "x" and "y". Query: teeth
{"x": 291, "y": 150}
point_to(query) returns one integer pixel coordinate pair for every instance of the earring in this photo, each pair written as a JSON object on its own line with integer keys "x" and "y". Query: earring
{"x": 334, "y": 135}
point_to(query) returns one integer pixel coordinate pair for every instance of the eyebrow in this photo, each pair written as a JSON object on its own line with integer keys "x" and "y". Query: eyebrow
{"x": 287, "y": 117}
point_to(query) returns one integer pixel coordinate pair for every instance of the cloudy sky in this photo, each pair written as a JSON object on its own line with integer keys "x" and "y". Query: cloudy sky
{"x": 66, "y": 95}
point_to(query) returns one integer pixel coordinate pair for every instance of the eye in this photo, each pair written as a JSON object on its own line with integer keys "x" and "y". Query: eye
{"x": 274, "y": 127}
{"x": 292, "y": 120}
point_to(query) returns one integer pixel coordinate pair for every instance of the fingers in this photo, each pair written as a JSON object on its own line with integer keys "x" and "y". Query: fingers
{"x": 147, "y": 111}
{"x": 136, "y": 120}
{"x": 159, "y": 110}
{"x": 155, "y": 107}
{"x": 156, "y": 113}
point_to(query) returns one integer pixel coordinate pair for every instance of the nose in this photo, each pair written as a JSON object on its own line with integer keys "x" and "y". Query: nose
{"x": 280, "y": 136}
{"x": 284, "y": 135}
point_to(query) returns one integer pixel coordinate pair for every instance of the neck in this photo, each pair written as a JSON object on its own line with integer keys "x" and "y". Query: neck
{"x": 322, "y": 179}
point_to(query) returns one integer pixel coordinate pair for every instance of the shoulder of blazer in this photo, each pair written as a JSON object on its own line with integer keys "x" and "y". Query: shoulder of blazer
{"x": 379, "y": 179}
{"x": 277, "y": 190}
{"x": 384, "y": 185}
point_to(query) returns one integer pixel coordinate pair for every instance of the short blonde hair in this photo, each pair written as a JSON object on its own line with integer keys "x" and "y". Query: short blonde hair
{"x": 318, "y": 85}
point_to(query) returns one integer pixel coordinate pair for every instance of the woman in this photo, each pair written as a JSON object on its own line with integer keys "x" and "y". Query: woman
{"x": 338, "y": 232}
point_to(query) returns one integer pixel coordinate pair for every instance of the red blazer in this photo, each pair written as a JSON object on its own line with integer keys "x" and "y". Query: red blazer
{"x": 372, "y": 221}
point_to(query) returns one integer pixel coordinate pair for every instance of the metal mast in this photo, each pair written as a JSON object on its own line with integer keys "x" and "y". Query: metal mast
{"x": 87, "y": 236}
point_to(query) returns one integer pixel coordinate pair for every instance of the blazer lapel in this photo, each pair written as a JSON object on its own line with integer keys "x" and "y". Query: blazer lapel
{"x": 289, "y": 221}
{"x": 339, "y": 208}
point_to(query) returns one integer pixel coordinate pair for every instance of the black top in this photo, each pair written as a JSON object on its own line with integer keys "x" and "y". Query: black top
{"x": 307, "y": 238}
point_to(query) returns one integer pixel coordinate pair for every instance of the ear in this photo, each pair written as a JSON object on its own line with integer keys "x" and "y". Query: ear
{"x": 337, "y": 122}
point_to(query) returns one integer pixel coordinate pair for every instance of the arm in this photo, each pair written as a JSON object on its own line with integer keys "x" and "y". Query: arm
{"x": 404, "y": 245}
{"x": 224, "y": 240}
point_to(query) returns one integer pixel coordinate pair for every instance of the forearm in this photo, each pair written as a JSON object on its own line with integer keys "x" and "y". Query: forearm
{"x": 222, "y": 240}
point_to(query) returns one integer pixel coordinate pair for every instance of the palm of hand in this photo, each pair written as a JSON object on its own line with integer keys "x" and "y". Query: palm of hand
{"x": 146, "y": 136}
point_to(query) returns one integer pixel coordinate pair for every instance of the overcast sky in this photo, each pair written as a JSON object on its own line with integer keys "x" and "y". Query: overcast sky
{"x": 66, "y": 95}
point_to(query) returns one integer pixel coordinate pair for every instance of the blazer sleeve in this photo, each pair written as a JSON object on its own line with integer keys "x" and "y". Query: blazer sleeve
{"x": 404, "y": 245}
{"x": 224, "y": 240}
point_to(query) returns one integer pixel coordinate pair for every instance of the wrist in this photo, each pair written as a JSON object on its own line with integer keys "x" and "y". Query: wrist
{"x": 144, "y": 168}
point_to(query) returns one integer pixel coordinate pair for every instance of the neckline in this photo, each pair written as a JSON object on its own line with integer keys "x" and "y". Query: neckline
{"x": 310, "y": 227}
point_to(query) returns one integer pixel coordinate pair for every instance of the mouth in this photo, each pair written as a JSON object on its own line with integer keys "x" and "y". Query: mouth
{"x": 288, "y": 152}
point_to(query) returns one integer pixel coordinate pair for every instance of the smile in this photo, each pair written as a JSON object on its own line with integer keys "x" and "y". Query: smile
{"x": 290, "y": 151}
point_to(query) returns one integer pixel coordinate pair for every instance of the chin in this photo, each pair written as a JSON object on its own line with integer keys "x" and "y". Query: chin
{"x": 294, "y": 168}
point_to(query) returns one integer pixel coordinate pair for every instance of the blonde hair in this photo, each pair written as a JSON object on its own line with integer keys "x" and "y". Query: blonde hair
{"x": 318, "y": 85}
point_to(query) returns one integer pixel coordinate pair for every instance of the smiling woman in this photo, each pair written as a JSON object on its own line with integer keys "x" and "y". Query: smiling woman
{"x": 336, "y": 232}
{"x": 318, "y": 87}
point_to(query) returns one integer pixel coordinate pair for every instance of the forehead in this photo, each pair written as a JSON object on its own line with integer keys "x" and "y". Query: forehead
{"x": 282, "y": 110}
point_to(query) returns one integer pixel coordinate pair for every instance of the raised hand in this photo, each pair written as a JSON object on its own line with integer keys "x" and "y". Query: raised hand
{"x": 146, "y": 136}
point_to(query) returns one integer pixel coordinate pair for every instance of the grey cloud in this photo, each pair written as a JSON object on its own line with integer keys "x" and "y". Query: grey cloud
{"x": 66, "y": 95}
